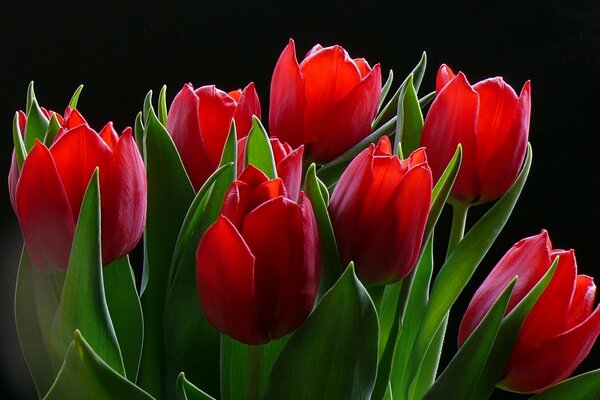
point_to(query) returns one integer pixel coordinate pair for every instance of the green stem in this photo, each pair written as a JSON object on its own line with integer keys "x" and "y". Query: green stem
{"x": 459, "y": 220}
{"x": 256, "y": 361}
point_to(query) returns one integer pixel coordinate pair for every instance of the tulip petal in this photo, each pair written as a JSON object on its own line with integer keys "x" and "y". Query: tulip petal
{"x": 363, "y": 66}
{"x": 289, "y": 170}
{"x": 287, "y": 101}
{"x": 582, "y": 301}
{"x": 452, "y": 120}
{"x": 247, "y": 106}
{"x": 444, "y": 75}
{"x": 123, "y": 186}
{"x": 529, "y": 259}
{"x": 109, "y": 135}
{"x": 225, "y": 277}
{"x": 76, "y": 154}
{"x": 43, "y": 211}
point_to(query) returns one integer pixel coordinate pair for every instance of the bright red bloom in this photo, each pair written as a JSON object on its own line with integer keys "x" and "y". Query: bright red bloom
{"x": 327, "y": 102}
{"x": 288, "y": 162}
{"x": 560, "y": 330}
{"x": 379, "y": 209}
{"x": 52, "y": 183}
{"x": 258, "y": 265}
{"x": 490, "y": 122}
{"x": 199, "y": 122}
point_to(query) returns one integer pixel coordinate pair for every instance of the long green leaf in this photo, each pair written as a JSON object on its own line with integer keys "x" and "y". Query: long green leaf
{"x": 386, "y": 88}
{"x": 185, "y": 390}
{"x": 165, "y": 214}
{"x": 125, "y": 312}
{"x": 20, "y": 152}
{"x": 409, "y": 121}
{"x": 84, "y": 375}
{"x": 258, "y": 149}
{"x": 162, "y": 105}
{"x": 147, "y": 109}
{"x": 52, "y": 130}
{"x": 37, "y": 123}
{"x": 334, "y": 354}
{"x": 83, "y": 302}
{"x": 581, "y": 387}
{"x": 75, "y": 98}
{"x": 462, "y": 374}
{"x": 460, "y": 266}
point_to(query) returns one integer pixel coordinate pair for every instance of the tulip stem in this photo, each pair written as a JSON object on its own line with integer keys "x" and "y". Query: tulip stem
{"x": 459, "y": 221}
{"x": 256, "y": 361}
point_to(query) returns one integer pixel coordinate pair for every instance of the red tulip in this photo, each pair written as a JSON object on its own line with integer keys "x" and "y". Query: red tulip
{"x": 561, "y": 328}
{"x": 287, "y": 161}
{"x": 327, "y": 102}
{"x": 379, "y": 209}
{"x": 490, "y": 122}
{"x": 258, "y": 265}
{"x": 52, "y": 183}
{"x": 199, "y": 122}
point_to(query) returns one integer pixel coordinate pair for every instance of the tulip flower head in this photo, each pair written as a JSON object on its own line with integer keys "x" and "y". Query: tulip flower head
{"x": 199, "y": 121}
{"x": 379, "y": 209}
{"x": 561, "y": 328}
{"x": 492, "y": 124}
{"x": 326, "y": 102}
{"x": 258, "y": 265}
{"x": 51, "y": 185}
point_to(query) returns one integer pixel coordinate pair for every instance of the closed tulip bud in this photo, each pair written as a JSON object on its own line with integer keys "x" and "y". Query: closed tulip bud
{"x": 258, "y": 265}
{"x": 492, "y": 124}
{"x": 51, "y": 185}
{"x": 561, "y": 328}
{"x": 199, "y": 122}
{"x": 327, "y": 102}
{"x": 379, "y": 209}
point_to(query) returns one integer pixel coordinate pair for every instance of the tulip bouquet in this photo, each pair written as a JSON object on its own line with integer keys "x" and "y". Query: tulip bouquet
{"x": 294, "y": 262}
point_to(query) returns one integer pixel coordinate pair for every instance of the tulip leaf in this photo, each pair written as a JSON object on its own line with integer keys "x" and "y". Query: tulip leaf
{"x": 331, "y": 262}
{"x": 146, "y": 110}
{"x": 75, "y": 97}
{"x": 334, "y": 353}
{"x": 462, "y": 373}
{"x": 258, "y": 149}
{"x": 165, "y": 214}
{"x": 423, "y": 101}
{"x": 230, "y": 154}
{"x": 185, "y": 390}
{"x": 52, "y": 131}
{"x": 409, "y": 121}
{"x": 460, "y": 267}
{"x": 507, "y": 336}
{"x": 581, "y": 387}
{"x": 138, "y": 133}
{"x": 237, "y": 359}
{"x": 389, "y": 111}
{"x": 20, "y": 152}
{"x": 162, "y": 105}
{"x": 37, "y": 296}
{"x": 83, "y": 302}
{"x": 84, "y": 375}
{"x": 37, "y": 123}
{"x": 386, "y": 88}
{"x": 125, "y": 312}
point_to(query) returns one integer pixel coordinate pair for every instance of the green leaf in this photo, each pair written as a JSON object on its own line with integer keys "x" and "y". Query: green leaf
{"x": 75, "y": 97}
{"x": 138, "y": 133}
{"x": 162, "y": 105}
{"x": 462, "y": 374}
{"x": 334, "y": 353}
{"x": 84, "y": 375}
{"x": 20, "y": 152}
{"x": 460, "y": 266}
{"x": 386, "y": 88}
{"x": 230, "y": 154}
{"x": 238, "y": 377}
{"x": 331, "y": 263}
{"x": 258, "y": 149}
{"x": 52, "y": 131}
{"x": 165, "y": 214}
{"x": 430, "y": 364}
{"x": 581, "y": 387}
{"x": 37, "y": 123}
{"x": 125, "y": 312}
{"x": 187, "y": 391}
{"x": 423, "y": 101}
{"x": 509, "y": 330}
{"x": 409, "y": 121}
{"x": 83, "y": 302}
{"x": 146, "y": 110}
{"x": 37, "y": 296}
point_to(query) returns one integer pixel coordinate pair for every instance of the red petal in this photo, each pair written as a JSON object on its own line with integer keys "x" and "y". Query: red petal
{"x": 225, "y": 277}
{"x": 349, "y": 121}
{"x": 363, "y": 66}
{"x": 289, "y": 170}
{"x": 529, "y": 259}
{"x": 76, "y": 154}
{"x": 247, "y": 106}
{"x": 582, "y": 301}
{"x": 235, "y": 94}
{"x": 123, "y": 191}
{"x": 73, "y": 119}
{"x": 444, "y": 76}
{"x": 287, "y": 101}
{"x": 43, "y": 211}
{"x": 22, "y": 122}
{"x": 451, "y": 120}
{"x": 109, "y": 135}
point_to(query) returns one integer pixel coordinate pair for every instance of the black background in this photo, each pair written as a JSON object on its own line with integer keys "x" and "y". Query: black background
{"x": 120, "y": 51}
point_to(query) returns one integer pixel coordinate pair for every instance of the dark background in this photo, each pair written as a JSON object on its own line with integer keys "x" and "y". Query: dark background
{"x": 121, "y": 51}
